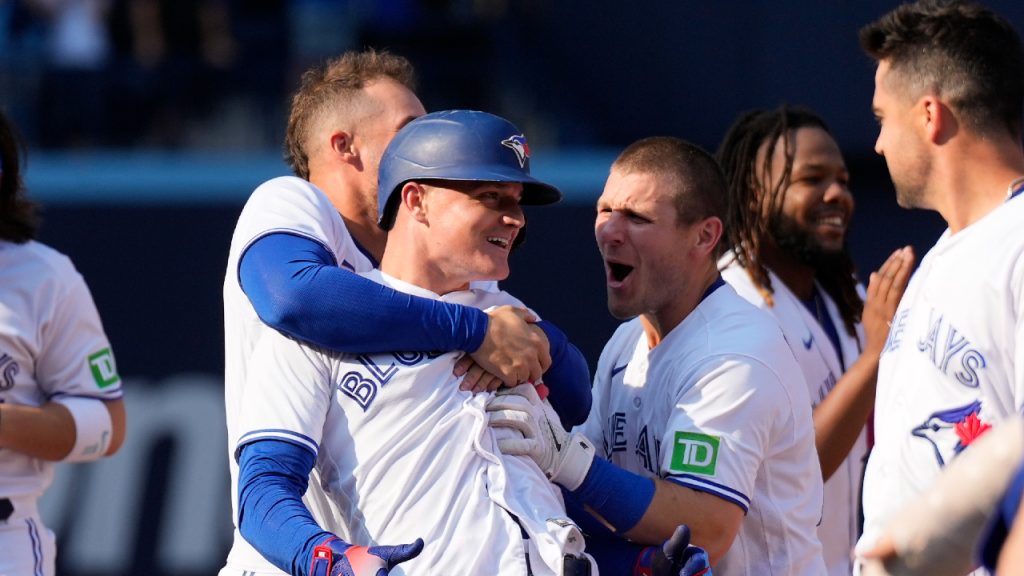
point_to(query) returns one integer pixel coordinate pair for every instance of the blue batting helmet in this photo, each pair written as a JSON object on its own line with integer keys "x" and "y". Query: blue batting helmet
{"x": 457, "y": 145}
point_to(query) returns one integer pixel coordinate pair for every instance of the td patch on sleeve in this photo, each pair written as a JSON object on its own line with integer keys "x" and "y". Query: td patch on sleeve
{"x": 104, "y": 371}
{"x": 694, "y": 453}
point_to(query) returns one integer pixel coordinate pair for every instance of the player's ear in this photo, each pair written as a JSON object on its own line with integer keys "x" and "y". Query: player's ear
{"x": 936, "y": 118}
{"x": 709, "y": 232}
{"x": 414, "y": 200}
{"x": 341, "y": 145}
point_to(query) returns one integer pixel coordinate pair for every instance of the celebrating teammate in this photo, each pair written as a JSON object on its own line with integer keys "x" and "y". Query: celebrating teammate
{"x": 788, "y": 210}
{"x": 299, "y": 240}
{"x": 949, "y": 89}
{"x": 401, "y": 452}
{"x": 60, "y": 393}
{"x": 700, "y": 413}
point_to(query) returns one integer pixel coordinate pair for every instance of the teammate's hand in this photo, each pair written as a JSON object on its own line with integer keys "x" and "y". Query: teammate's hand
{"x": 565, "y": 458}
{"x": 513, "y": 350}
{"x": 885, "y": 289}
{"x": 337, "y": 558}
{"x": 475, "y": 378}
{"x": 674, "y": 558}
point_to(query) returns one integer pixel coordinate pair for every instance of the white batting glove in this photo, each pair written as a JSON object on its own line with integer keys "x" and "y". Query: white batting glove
{"x": 565, "y": 458}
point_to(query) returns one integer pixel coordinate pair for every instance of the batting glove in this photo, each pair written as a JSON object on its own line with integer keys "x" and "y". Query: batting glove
{"x": 674, "y": 558}
{"x": 565, "y": 458}
{"x": 335, "y": 557}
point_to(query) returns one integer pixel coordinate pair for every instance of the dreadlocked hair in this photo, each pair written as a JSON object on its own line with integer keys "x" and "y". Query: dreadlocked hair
{"x": 752, "y": 195}
{"x": 18, "y": 220}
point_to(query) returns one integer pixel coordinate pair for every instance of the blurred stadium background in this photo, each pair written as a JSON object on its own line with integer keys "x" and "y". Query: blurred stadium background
{"x": 150, "y": 121}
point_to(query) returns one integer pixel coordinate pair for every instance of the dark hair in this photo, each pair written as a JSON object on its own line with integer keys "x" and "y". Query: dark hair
{"x": 18, "y": 221}
{"x": 754, "y": 200}
{"x": 963, "y": 52}
{"x": 332, "y": 87}
{"x": 700, "y": 187}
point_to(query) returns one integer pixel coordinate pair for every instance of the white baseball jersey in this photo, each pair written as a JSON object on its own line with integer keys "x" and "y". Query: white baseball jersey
{"x": 719, "y": 406}
{"x": 403, "y": 453}
{"x": 52, "y": 344}
{"x": 280, "y": 205}
{"x": 294, "y": 206}
{"x": 954, "y": 360}
{"x": 820, "y": 363}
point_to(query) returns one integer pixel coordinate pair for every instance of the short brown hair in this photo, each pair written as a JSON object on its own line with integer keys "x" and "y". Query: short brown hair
{"x": 700, "y": 186}
{"x": 331, "y": 87}
{"x": 964, "y": 52}
{"x": 18, "y": 220}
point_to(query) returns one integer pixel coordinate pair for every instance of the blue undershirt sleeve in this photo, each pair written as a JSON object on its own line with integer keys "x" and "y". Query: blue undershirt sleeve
{"x": 296, "y": 287}
{"x": 567, "y": 379}
{"x": 272, "y": 477}
{"x": 614, "y": 555}
{"x": 617, "y": 495}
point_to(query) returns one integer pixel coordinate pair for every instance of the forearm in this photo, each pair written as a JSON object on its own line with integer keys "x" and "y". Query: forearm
{"x": 713, "y": 521}
{"x": 296, "y": 287}
{"x": 840, "y": 417}
{"x": 271, "y": 514}
{"x": 46, "y": 432}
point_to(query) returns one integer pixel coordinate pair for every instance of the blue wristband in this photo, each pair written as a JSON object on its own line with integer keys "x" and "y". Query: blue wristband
{"x": 617, "y": 495}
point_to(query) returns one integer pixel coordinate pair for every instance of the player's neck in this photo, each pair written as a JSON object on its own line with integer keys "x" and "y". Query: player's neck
{"x": 972, "y": 183}
{"x": 796, "y": 275}
{"x": 410, "y": 262}
{"x": 357, "y": 208}
{"x": 368, "y": 235}
{"x": 657, "y": 324}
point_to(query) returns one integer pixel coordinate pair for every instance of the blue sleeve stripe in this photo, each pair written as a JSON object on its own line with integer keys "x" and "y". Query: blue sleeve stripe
{"x": 705, "y": 485}
{"x": 116, "y": 395}
{"x": 277, "y": 434}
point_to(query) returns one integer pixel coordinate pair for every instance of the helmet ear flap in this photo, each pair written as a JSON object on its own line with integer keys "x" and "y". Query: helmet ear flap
{"x": 390, "y": 210}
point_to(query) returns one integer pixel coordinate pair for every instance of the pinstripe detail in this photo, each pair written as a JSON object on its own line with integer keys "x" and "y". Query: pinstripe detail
{"x": 37, "y": 546}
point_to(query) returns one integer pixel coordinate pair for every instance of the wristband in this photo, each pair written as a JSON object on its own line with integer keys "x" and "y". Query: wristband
{"x": 93, "y": 428}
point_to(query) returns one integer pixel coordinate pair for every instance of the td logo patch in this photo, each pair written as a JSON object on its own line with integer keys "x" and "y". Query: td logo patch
{"x": 695, "y": 453}
{"x": 104, "y": 371}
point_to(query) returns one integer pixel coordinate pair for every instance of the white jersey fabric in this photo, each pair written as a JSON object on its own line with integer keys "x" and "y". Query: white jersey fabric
{"x": 288, "y": 205}
{"x": 403, "y": 453}
{"x": 281, "y": 205}
{"x": 52, "y": 345}
{"x": 954, "y": 360}
{"x": 820, "y": 363}
{"x": 719, "y": 406}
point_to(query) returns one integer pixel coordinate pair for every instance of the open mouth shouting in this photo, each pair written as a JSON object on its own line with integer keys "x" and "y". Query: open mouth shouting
{"x": 617, "y": 272}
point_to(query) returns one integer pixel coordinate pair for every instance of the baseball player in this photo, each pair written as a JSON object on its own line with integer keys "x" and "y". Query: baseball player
{"x": 299, "y": 241}
{"x": 700, "y": 413}
{"x": 949, "y": 87}
{"x": 789, "y": 206}
{"x": 402, "y": 453}
{"x": 60, "y": 394}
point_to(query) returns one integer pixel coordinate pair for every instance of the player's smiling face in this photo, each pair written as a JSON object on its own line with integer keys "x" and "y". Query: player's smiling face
{"x": 473, "y": 226}
{"x": 641, "y": 241}
{"x": 816, "y": 206}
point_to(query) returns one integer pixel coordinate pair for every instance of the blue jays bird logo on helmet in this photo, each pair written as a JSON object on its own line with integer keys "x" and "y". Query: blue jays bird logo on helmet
{"x": 518, "y": 145}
